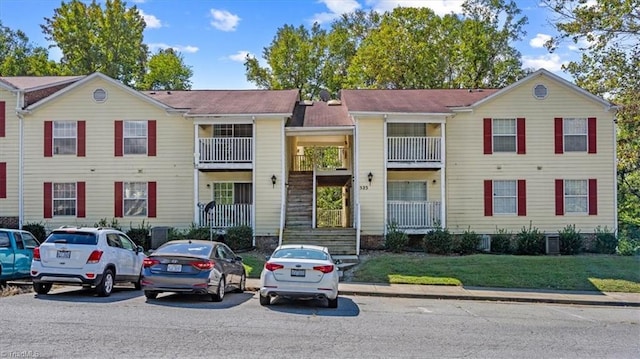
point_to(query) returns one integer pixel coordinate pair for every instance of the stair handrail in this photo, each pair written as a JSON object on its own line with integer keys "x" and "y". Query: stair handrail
{"x": 357, "y": 229}
{"x": 283, "y": 210}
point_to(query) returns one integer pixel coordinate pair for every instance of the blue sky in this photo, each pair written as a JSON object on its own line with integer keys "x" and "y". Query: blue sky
{"x": 215, "y": 35}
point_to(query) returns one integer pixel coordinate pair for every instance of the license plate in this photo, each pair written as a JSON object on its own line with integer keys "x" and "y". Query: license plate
{"x": 297, "y": 272}
{"x": 174, "y": 267}
{"x": 63, "y": 254}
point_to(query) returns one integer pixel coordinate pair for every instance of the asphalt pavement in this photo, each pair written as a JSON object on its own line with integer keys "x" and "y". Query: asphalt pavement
{"x": 486, "y": 294}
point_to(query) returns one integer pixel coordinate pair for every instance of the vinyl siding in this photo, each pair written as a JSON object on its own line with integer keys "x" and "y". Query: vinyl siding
{"x": 171, "y": 168}
{"x": 9, "y": 147}
{"x": 467, "y": 166}
{"x": 268, "y": 162}
{"x": 371, "y": 152}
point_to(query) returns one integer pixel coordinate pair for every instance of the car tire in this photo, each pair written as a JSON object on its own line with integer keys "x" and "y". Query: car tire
{"x": 333, "y": 303}
{"x": 219, "y": 295}
{"x": 138, "y": 284}
{"x": 105, "y": 287}
{"x": 243, "y": 284}
{"x": 265, "y": 300}
{"x": 150, "y": 295}
{"x": 41, "y": 288}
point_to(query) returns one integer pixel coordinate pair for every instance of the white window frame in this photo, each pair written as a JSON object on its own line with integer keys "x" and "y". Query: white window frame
{"x": 569, "y": 131}
{"x": 134, "y": 132}
{"x": 414, "y": 198}
{"x": 64, "y": 199}
{"x": 505, "y": 198}
{"x": 65, "y": 137}
{"x": 500, "y": 132}
{"x": 135, "y": 198}
{"x": 576, "y": 196}
{"x": 229, "y": 130}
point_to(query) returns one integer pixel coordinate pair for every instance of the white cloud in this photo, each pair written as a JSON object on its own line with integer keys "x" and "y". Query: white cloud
{"x": 151, "y": 21}
{"x": 224, "y": 20}
{"x": 240, "y": 56}
{"x": 551, "y": 62}
{"x": 440, "y": 7}
{"x": 336, "y": 8}
{"x": 180, "y": 48}
{"x": 539, "y": 41}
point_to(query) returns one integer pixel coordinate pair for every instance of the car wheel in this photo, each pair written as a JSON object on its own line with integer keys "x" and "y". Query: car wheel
{"x": 333, "y": 303}
{"x": 42, "y": 288}
{"x": 138, "y": 284}
{"x": 106, "y": 285}
{"x": 220, "y": 294}
{"x": 150, "y": 295}
{"x": 265, "y": 300}
{"x": 243, "y": 284}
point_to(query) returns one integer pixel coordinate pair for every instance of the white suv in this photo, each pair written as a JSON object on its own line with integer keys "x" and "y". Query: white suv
{"x": 91, "y": 257}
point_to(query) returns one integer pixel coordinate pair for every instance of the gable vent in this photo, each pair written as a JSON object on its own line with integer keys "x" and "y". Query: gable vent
{"x": 99, "y": 95}
{"x": 540, "y": 92}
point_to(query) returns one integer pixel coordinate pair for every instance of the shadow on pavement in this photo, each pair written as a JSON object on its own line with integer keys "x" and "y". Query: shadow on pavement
{"x": 82, "y": 295}
{"x": 318, "y": 307}
{"x": 194, "y": 301}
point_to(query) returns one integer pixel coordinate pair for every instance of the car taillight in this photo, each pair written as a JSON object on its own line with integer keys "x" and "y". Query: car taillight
{"x": 94, "y": 257}
{"x": 36, "y": 254}
{"x": 324, "y": 269}
{"x": 202, "y": 265}
{"x": 272, "y": 266}
{"x": 149, "y": 262}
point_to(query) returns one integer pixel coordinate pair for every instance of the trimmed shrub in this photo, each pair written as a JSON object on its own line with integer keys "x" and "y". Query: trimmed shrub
{"x": 141, "y": 235}
{"x": 628, "y": 247}
{"x": 467, "y": 242}
{"x": 530, "y": 241}
{"x": 570, "y": 240}
{"x": 239, "y": 237}
{"x": 37, "y": 229}
{"x": 501, "y": 241}
{"x": 438, "y": 241}
{"x": 108, "y": 224}
{"x": 395, "y": 240}
{"x": 606, "y": 241}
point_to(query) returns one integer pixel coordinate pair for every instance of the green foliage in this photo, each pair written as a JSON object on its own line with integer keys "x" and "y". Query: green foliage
{"x": 501, "y": 241}
{"x": 530, "y": 241}
{"x": 628, "y": 247}
{"x": 140, "y": 235}
{"x": 193, "y": 232}
{"x": 606, "y": 241}
{"x": 438, "y": 241}
{"x": 105, "y": 223}
{"x": 37, "y": 229}
{"x": 570, "y": 240}
{"x": 396, "y": 239}
{"x": 167, "y": 71}
{"x": 239, "y": 237}
{"x": 18, "y": 57}
{"x": 468, "y": 242}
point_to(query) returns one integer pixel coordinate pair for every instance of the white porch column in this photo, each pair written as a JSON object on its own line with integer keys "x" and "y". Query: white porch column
{"x": 443, "y": 187}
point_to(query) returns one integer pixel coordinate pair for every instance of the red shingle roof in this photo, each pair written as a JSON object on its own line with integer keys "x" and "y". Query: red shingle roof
{"x": 32, "y": 82}
{"x": 320, "y": 114}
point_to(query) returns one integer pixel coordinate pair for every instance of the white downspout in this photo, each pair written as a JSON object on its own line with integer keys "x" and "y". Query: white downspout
{"x": 196, "y": 177}
{"x": 385, "y": 155}
{"x": 443, "y": 187}
{"x": 283, "y": 194}
{"x": 19, "y": 102}
{"x": 615, "y": 177}
{"x": 356, "y": 184}
{"x": 253, "y": 178}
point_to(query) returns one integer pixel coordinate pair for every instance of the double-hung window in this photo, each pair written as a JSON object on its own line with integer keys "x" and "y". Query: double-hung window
{"x": 504, "y": 135}
{"x": 504, "y": 197}
{"x": 65, "y": 136}
{"x": 407, "y": 191}
{"x": 575, "y": 196}
{"x": 135, "y": 137}
{"x": 64, "y": 199}
{"x": 575, "y": 134}
{"x": 135, "y": 198}
{"x": 229, "y": 130}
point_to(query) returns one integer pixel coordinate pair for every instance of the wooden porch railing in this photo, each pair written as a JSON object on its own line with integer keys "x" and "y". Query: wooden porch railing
{"x": 227, "y": 215}
{"x": 414, "y": 215}
{"x": 329, "y": 217}
{"x": 225, "y": 149}
{"x": 414, "y": 149}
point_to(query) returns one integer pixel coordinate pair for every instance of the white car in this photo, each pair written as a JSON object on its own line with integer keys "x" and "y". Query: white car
{"x": 90, "y": 257}
{"x": 300, "y": 272}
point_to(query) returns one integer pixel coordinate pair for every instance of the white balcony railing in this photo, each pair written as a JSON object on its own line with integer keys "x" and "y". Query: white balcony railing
{"x": 414, "y": 149}
{"x": 329, "y": 217}
{"x": 414, "y": 215}
{"x": 225, "y": 149}
{"x": 227, "y": 215}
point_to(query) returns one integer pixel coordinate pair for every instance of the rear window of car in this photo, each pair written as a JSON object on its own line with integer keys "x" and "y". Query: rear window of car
{"x": 300, "y": 253}
{"x": 185, "y": 249}
{"x": 73, "y": 238}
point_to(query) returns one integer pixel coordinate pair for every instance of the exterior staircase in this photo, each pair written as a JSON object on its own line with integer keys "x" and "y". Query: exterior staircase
{"x": 300, "y": 200}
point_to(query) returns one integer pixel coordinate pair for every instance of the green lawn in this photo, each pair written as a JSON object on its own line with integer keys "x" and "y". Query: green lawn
{"x": 253, "y": 263}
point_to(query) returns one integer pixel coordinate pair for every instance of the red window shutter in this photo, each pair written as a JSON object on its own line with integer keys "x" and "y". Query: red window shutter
{"x": 559, "y": 197}
{"x": 118, "y": 209}
{"x": 522, "y": 198}
{"x": 521, "y": 136}
{"x": 48, "y": 200}
{"x": 119, "y": 139}
{"x": 591, "y": 131}
{"x": 593, "y": 197}
{"x": 558, "y": 135}
{"x": 48, "y": 138}
{"x": 3, "y": 180}
{"x": 488, "y": 143}
{"x": 151, "y": 211}
{"x": 3, "y": 119}
{"x": 80, "y": 194}
{"x": 488, "y": 198}
{"x": 82, "y": 138}
{"x": 151, "y": 128}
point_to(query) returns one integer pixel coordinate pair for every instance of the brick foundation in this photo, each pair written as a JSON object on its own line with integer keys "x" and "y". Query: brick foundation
{"x": 371, "y": 242}
{"x": 9, "y": 222}
{"x": 266, "y": 244}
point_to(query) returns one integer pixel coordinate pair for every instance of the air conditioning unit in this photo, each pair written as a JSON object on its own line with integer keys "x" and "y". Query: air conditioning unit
{"x": 485, "y": 243}
{"x": 159, "y": 236}
{"x": 552, "y": 244}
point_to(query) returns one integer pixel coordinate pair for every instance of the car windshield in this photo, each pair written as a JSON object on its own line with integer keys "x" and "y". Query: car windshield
{"x": 185, "y": 249}
{"x": 73, "y": 238}
{"x": 300, "y": 253}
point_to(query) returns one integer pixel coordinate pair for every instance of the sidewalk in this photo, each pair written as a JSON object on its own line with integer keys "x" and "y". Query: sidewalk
{"x": 476, "y": 293}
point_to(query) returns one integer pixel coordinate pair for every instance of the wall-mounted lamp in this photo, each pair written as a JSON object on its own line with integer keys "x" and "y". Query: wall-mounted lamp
{"x": 434, "y": 181}
{"x": 370, "y": 177}
{"x": 273, "y": 180}
{"x": 208, "y": 185}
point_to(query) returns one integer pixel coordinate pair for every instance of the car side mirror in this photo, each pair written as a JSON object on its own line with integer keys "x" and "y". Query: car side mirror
{"x": 238, "y": 259}
{"x": 139, "y": 249}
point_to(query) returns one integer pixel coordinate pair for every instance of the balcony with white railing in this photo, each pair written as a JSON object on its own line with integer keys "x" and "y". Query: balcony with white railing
{"x": 409, "y": 152}
{"x": 225, "y": 153}
{"x": 331, "y": 218}
{"x": 414, "y": 216}
{"x": 224, "y": 216}
{"x": 322, "y": 159}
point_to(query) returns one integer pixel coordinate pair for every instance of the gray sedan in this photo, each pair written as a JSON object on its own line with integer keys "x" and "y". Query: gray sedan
{"x": 193, "y": 266}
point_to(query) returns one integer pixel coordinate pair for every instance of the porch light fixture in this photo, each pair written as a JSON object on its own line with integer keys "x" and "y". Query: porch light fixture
{"x": 370, "y": 177}
{"x": 273, "y": 180}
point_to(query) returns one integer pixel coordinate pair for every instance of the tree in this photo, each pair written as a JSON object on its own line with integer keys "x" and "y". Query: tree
{"x": 92, "y": 39}
{"x": 608, "y": 33}
{"x": 18, "y": 57}
{"x": 167, "y": 71}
